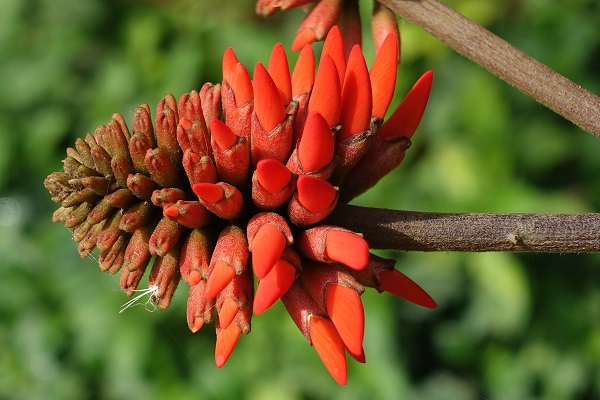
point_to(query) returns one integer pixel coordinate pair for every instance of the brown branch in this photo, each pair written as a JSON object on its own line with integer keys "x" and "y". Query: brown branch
{"x": 505, "y": 61}
{"x": 422, "y": 231}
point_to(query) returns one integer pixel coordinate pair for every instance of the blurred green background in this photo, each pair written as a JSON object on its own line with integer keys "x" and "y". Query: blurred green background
{"x": 508, "y": 326}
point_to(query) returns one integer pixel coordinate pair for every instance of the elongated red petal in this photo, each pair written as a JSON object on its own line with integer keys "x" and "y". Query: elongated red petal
{"x": 348, "y": 248}
{"x": 199, "y": 310}
{"x": 227, "y": 313}
{"x": 398, "y": 284}
{"x": 326, "y": 95}
{"x": 330, "y": 348}
{"x": 267, "y": 246}
{"x": 317, "y": 145}
{"x": 315, "y": 194}
{"x": 272, "y": 175}
{"x": 383, "y": 76}
{"x": 273, "y": 285}
{"x": 194, "y": 277}
{"x": 230, "y": 62}
{"x": 303, "y": 76}
{"x": 334, "y": 47}
{"x": 267, "y": 101}
{"x": 226, "y": 341}
{"x": 346, "y": 310}
{"x": 280, "y": 72}
{"x": 209, "y": 192}
{"x": 219, "y": 277}
{"x": 355, "y": 116}
{"x": 241, "y": 85}
{"x": 222, "y": 134}
{"x": 405, "y": 120}
{"x": 303, "y": 38}
{"x": 197, "y": 324}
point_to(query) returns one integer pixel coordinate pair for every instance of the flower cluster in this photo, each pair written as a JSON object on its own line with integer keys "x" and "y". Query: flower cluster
{"x": 325, "y": 14}
{"x": 234, "y": 181}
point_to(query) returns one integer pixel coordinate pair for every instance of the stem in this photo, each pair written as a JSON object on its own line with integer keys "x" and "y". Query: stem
{"x": 423, "y": 231}
{"x": 505, "y": 61}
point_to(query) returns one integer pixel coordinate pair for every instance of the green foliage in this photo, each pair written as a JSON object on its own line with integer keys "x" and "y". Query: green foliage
{"x": 508, "y": 326}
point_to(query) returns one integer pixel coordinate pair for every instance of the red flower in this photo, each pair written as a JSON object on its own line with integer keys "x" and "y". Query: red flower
{"x": 234, "y": 182}
{"x": 325, "y": 14}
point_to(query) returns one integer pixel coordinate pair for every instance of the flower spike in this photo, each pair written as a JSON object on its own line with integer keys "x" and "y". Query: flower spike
{"x": 274, "y": 156}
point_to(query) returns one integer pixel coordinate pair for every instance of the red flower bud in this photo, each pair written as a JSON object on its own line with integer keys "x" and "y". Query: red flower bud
{"x": 222, "y": 199}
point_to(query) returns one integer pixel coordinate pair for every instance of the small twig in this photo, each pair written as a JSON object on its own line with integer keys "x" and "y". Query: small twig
{"x": 505, "y": 61}
{"x": 422, "y": 231}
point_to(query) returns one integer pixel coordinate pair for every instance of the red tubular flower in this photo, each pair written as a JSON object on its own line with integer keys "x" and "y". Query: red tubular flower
{"x": 327, "y": 15}
{"x": 233, "y": 181}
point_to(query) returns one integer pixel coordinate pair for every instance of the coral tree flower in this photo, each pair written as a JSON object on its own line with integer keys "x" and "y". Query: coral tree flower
{"x": 232, "y": 184}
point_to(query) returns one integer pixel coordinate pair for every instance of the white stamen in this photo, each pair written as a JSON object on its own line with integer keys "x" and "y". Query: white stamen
{"x": 149, "y": 304}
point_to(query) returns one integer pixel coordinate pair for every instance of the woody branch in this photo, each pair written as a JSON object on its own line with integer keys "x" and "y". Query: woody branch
{"x": 502, "y": 59}
{"x": 472, "y": 232}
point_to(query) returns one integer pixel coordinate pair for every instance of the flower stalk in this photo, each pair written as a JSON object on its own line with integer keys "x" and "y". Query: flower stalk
{"x": 471, "y": 232}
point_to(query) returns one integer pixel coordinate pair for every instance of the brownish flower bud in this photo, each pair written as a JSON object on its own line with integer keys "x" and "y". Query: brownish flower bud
{"x": 165, "y": 129}
{"x": 78, "y": 215}
{"x": 165, "y": 275}
{"x": 136, "y": 217}
{"x": 142, "y": 123}
{"x": 139, "y": 144}
{"x": 141, "y": 186}
{"x": 167, "y": 196}
{"x": 191, "y": 214}
{"x": 137, "y": 254}
{"x": 195, "y": 257}
{"x": 210, "y": 96}
{"x": 165, "y": 236}
{"x": 161, "y": 168}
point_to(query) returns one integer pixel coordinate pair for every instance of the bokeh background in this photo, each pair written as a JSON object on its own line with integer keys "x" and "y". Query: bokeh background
{"x": 508, "y": 326}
